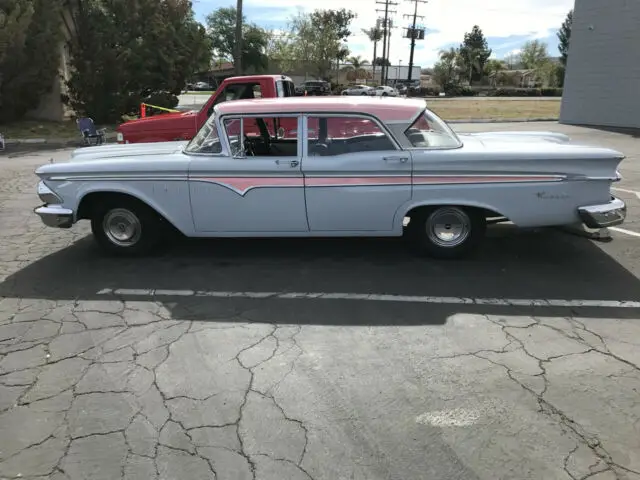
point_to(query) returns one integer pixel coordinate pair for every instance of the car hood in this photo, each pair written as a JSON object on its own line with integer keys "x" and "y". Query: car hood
{"x": 156, "y": 120}
{"x": 111, "y": 151}
{"x": 519, "y": 137}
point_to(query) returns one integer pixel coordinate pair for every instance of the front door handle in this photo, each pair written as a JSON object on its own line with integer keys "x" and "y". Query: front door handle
{"x": 292, "y": 163}
{"x": 396, "y": 159}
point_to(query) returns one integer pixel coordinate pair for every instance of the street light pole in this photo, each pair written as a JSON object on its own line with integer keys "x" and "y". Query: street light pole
{"x": 238, "y": 53}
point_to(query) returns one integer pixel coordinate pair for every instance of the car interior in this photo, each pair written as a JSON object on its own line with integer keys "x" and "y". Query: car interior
{"x": 268, "y": 144}
{"x": 325, "y": 145}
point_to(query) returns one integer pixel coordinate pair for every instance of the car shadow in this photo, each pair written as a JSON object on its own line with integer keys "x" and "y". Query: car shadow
{"x": 512, "y": 264}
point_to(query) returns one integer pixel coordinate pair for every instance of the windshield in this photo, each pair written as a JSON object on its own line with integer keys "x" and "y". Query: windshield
{"x": 206, "y": 140}
{"x": 429, "y": 131}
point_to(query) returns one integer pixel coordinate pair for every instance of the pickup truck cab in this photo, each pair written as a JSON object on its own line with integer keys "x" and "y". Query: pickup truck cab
{"x": 170, "y": 127}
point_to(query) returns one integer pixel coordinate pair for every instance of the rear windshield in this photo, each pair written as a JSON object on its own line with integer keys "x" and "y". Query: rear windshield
{"x": 285, "y": 88}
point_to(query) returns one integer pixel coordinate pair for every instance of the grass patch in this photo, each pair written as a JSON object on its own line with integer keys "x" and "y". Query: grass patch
{"x": 66, "y": 130}
{"x": 199, "y": 92}
{"x": 468, "y": 109}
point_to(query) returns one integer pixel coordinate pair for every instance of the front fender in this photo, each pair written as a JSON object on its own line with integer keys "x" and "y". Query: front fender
{"x": 169, "y": 199}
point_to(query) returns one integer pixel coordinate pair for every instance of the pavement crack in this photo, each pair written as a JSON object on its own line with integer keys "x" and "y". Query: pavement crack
{"x": 286, "y": 460}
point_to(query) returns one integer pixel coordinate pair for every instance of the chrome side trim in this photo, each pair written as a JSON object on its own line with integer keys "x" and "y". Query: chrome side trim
{"x": 604, "y": 215}
{"x": 47, "y": 195}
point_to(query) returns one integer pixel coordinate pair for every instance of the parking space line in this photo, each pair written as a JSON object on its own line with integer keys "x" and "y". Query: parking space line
{"x": 507, "y": 302}
{"x": 637, "y": 194}
{"x": 626, "y": 232}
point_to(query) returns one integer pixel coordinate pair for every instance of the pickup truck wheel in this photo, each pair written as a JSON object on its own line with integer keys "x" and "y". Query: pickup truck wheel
{"x": 447, "y": 231}
{"x": 125, "y": 227}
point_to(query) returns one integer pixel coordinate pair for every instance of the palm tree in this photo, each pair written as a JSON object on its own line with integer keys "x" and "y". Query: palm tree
{"x": 494, "y": 67}
{"x": 375, "y": 36}
{"x": 356, "y": 64}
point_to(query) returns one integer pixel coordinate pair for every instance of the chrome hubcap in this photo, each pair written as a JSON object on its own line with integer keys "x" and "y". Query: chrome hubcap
{"x": 122, "y": 227}
{"x": 448, "y": 227}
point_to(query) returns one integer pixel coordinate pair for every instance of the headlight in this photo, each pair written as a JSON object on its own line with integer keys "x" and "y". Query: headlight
{"x": 47, "y": 195}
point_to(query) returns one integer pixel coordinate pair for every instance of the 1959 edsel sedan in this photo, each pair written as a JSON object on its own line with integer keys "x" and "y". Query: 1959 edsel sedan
{"x": 332, "y": 166}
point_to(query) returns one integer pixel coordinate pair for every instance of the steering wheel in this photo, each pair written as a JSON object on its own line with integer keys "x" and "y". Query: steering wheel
{"x": 248, "y": 146}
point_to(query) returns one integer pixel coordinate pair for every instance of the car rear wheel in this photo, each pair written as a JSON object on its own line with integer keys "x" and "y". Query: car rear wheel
{"x": 363, "y": 93}
{"x": 447, "y": 231}
{"x": 385, "y": 94}
{"x": 125, "y": 227}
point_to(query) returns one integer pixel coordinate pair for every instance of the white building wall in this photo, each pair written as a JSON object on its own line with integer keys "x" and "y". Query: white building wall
{"x": 602, "y": 83}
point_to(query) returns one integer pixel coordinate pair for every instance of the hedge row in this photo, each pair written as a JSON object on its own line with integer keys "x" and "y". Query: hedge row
{"x": 465, "y": 91}
{"x": 525, "y": 92}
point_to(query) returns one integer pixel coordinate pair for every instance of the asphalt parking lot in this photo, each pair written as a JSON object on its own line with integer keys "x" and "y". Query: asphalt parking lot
{"x": 320, "y": 359}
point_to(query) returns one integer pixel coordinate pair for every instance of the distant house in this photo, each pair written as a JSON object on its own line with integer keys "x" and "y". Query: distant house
{"x": 513, "y": 78}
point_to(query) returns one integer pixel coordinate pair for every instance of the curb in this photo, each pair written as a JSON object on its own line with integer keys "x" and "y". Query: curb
{"x": 510, "y": 120}
{"x": 48, "y": 141}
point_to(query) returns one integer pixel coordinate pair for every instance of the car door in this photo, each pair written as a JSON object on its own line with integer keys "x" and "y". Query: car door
{"x": 356, "y": 175}
{"x": 235, "y": 193}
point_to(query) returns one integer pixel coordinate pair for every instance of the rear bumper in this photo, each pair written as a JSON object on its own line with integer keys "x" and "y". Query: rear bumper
{"x": 604, "y": 215}
{"x": 55, "y": 216}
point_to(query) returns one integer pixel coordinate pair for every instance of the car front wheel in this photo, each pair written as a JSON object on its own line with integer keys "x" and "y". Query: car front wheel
{"x": 126, "y": 227}
{"x": 447, "y": 231}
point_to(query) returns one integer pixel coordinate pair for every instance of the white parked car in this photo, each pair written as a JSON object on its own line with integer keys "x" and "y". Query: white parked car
{"x": 328, "y": 167}
{"x": 357, "y": 90}
{"x": 383, "y": 91}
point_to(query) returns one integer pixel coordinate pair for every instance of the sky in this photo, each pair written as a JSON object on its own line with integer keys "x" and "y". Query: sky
{"x": 507, "y": 24}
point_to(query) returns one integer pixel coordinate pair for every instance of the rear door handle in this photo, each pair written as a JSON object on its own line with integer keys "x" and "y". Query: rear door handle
{"x": 396, "y": 159}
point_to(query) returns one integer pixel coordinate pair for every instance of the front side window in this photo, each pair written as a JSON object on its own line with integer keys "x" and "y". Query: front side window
{"x": 330, "y": 136}
{"x": 267, "y": 136}
{"x": 206, "y": 140}
{"x": 429, "y": 131}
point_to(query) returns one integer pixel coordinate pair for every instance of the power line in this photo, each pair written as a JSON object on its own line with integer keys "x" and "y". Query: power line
{"x": 385, "y": 26}
{"x": 414, "y": 33}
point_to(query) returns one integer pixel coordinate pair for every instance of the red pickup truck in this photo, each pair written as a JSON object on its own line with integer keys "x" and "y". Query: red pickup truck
{"x": 184, "y": 125}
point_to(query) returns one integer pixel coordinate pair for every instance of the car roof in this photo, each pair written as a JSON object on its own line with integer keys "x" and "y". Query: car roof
{"x": 388, "y": 110}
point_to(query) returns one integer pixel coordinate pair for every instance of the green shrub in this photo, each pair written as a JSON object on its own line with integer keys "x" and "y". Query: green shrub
{"x": 459, "y": 91}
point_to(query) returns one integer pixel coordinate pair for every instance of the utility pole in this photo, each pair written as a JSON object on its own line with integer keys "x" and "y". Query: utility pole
{"x": 414, "y": 33}
{"x": 385, "y": 26}
{"x": 386, "y": 70}
{"x": 238, "y": 55}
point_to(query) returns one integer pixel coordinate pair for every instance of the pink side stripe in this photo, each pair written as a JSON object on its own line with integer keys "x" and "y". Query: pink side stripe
{"x": 430, "y": 180}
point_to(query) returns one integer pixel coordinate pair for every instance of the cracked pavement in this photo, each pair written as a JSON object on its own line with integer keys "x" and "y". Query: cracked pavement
{"x": 95, "y": 387}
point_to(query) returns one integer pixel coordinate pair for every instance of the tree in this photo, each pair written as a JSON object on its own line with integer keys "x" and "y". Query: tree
{"x": 316, "y": 39}
{"x": 564, "y": 35}
{"x": 381, "y": 62}
{"x": 29, "y": 31}
{"x": 221, "y": 26}
{"x": 375, "y": 36}
{"x": 355, "y": 69}
{"x": 474, "y": 52}
{"x": 446, "y": 70}
{"x": 494, "y": 67}
{"x": 127, "y": 52}
{"x": 534, "y": 55}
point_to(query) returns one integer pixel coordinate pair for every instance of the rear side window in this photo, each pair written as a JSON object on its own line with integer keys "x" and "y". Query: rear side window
{"x": 331, "y": 136}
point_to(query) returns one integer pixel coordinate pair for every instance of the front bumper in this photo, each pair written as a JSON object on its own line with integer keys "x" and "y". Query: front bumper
{"x": 55, "y": 216}
{"x": 604, "y": 215}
